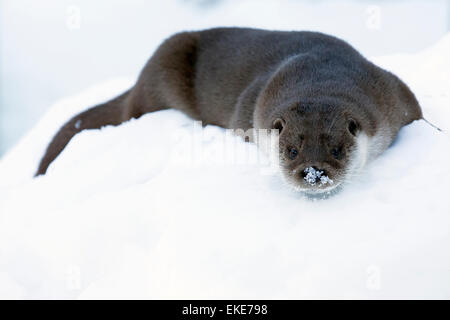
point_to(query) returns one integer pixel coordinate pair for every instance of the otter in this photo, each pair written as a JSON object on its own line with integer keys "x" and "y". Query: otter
{"x": 334, "y": 110}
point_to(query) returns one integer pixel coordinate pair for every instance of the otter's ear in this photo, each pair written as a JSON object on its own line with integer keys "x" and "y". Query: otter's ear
{"x": 353, "y": 127}
{"x": 278, "y": 124}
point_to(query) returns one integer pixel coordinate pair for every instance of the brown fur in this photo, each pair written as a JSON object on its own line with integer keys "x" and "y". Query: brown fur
{"x": 309, "y": 85}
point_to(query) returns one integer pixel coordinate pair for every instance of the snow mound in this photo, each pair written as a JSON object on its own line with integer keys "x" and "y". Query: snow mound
{"x": 128, "y": 212}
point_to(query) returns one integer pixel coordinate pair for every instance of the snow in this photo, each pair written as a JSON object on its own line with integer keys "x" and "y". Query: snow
{"x": 313, "y": 175}
{"x": 127, "y": 212}
{"x": 325, "y": 180}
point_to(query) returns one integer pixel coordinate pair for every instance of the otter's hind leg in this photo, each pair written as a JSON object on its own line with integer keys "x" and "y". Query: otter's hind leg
{"x": 168, "y": 78}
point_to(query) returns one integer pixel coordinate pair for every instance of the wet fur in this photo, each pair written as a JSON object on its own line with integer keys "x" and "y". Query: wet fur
{"x": 246, "y": 78}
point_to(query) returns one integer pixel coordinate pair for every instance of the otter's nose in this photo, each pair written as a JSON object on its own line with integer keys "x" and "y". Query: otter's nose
{"x": 313, "y": 175}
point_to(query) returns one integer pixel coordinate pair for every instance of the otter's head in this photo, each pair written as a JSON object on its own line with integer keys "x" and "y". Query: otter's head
{"x": 320, "y": 145}
{"x": 322, "y": 119}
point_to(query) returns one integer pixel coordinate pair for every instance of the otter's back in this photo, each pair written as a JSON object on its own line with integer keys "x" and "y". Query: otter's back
{"x": 229, "y": 59}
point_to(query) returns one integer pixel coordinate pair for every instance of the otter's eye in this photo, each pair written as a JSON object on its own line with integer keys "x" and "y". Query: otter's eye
{"x": 293, "y": 153}
{"x": 336, "y": 153}
{"x": 353, "y": 127}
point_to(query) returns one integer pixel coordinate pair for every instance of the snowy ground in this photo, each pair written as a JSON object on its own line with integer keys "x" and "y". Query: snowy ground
{"x": 123, "y": 213}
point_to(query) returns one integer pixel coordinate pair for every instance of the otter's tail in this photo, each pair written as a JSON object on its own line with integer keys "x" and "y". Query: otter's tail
{"x": 112, "y": 112}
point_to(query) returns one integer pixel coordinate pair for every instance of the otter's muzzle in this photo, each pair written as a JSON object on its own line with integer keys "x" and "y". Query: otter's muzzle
{"x": 313, "y": 176}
